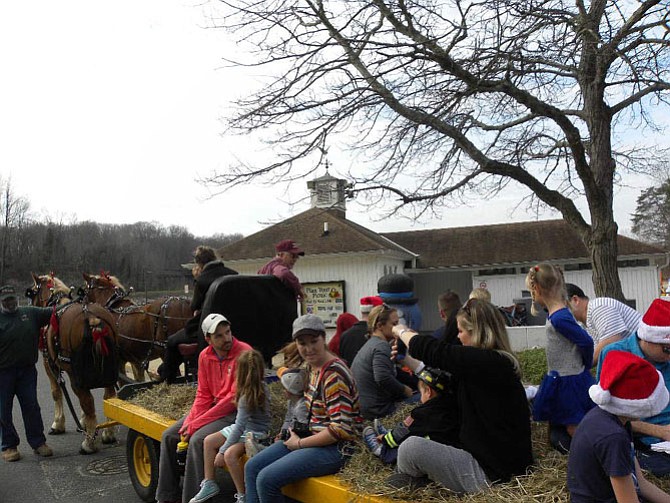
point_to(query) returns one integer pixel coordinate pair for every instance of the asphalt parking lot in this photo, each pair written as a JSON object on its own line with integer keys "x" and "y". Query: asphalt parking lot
{"x": 69, "y": 476}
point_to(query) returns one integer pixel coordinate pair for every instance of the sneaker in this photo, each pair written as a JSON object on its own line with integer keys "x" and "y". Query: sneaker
{"x": 10, "y": 455}
{"x": 240, "y": 498}
{"x": 44, "y": 450}
{"x": 208, "y": 489}
{"x": 379, "y": 427}
{"x": 370, "y": 438}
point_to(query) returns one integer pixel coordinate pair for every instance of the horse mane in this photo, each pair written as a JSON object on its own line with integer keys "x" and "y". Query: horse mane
{"x": 58, "y": 285}
{"x": 112, "y": 280}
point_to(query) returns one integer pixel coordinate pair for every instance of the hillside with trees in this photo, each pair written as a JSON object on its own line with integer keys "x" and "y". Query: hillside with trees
{"x": 145, "y": 255}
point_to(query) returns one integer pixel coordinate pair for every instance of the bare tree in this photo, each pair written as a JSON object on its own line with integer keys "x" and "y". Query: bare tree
{"x": 448, "y": 97}
{"x": 14, "y": 211}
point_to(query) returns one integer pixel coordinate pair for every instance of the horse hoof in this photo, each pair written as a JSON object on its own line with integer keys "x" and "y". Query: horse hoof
{"x": 108, "y": 440}
{"x": 85, "y": 452}
{"x": 54, "y": 431}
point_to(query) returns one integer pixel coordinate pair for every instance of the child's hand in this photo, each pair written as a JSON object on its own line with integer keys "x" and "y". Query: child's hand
{"x": 219, "y": 461}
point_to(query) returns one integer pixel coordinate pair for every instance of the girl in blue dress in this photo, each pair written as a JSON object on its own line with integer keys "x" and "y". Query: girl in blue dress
{"x": 563, "y": 397}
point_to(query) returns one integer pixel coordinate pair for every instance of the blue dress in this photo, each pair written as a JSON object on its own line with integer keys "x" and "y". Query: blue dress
{"x": 563, "y": 397}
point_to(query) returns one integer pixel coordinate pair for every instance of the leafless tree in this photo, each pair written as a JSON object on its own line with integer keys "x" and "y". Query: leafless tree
{"x": 446, "y": 97}
{"x": 14, "y": 211}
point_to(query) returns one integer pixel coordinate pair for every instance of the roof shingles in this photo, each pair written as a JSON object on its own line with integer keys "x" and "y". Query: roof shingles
{"x": 512, "y": 243}
{"x": 307, "y": 230}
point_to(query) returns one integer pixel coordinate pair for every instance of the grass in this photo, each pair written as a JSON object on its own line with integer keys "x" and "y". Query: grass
{"x": 533, "y": 365}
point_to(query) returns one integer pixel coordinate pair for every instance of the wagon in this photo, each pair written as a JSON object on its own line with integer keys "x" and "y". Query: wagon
{"x": 145, "y": 429}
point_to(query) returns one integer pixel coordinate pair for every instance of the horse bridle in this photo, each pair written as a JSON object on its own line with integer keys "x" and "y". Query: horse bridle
{"x": 54, "y": 297}
{"x": 118, "y": 295}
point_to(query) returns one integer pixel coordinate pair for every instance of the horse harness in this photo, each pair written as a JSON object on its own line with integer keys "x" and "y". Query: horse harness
{"x": 160, "y": 321}
{"x": 55, "y": 369}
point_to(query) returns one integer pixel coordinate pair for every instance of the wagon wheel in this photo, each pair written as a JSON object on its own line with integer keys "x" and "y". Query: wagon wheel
{"x": 142, "y": 456}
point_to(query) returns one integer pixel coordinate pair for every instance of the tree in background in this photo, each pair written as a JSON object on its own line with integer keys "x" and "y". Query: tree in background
{"x": 145, "y": 255}
{"x": 14, "y": 210}
{"x": 651, "y": 220}
{"x": 446, "y": 99}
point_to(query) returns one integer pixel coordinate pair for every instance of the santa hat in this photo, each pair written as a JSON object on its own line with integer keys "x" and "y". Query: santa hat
{"x": 655, "y": 324}
{"x": 367, "y": 303}
{"x": 629, "y": 386}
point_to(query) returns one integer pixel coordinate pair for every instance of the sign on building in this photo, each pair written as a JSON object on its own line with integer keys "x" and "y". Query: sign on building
{"x": 325, "y": 299}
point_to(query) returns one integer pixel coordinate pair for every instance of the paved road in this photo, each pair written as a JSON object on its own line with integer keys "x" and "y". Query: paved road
{"x": 69, "y": 477}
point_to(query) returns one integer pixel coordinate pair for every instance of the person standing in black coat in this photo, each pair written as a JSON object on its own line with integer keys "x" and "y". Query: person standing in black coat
{"x": 206, "y": 270}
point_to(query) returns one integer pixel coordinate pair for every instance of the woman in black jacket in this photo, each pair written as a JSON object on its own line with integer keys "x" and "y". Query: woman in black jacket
{"x": 494, "y": 416}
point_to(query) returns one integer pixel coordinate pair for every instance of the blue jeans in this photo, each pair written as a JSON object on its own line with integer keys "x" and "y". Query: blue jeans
{"x": 22, "y": 383}
{"x": 272, "y": 468}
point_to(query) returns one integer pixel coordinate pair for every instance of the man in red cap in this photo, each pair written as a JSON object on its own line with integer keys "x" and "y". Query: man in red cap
{"x": 651, "y": 342}
{"x": 288, "y": 254}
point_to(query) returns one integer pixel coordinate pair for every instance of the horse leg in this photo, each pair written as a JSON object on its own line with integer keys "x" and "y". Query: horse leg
{"x": 138, "y": 372}
{"x": 109, "y": 434}
{"x": 58, "y": 426}
{"x": 88, "y": 421}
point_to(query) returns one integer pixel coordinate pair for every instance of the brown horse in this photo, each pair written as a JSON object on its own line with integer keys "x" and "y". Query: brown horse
{"x": 142, "y": 329}
{"x": 64, "y": 339}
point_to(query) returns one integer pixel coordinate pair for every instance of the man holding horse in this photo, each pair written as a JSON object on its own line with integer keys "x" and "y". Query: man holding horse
{"x": 213, "y": 409}
{"x": 19, "y": 334}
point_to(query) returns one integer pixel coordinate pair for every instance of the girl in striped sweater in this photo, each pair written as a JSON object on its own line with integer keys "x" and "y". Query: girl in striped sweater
{"x": 319, "y": 447}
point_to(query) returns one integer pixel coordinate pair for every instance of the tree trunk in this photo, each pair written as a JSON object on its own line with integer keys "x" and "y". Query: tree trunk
{"x": 603, "y": 247}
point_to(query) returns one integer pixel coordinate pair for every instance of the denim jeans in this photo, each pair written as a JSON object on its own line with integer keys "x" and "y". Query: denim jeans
{"x": 22, "y": 383}
{"x": 272, "y": 468}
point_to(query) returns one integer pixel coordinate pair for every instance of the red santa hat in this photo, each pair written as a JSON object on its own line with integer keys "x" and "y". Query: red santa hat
{"x": 655, "y": 324}
{"x": 367, "y": 303}
{"x": 629, "y": 386}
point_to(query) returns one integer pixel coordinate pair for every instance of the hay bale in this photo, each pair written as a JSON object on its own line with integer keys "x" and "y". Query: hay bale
{"x": 170, "y": 400}
{"x": 546, "y": 483}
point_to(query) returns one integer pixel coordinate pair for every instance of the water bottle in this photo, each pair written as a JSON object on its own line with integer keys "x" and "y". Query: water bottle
{"x": 182, "y": 447}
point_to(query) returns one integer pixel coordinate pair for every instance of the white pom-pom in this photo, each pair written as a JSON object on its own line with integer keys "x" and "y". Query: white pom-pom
{"x": 598, "y": 395}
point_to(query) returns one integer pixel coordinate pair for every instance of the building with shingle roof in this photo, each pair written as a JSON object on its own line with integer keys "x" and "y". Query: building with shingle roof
{"x": 495, "y": 257}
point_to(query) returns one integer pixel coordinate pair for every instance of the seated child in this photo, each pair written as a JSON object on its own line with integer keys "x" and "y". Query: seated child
{"x": 224, "y": 448}
{"x": 435, "y": 418}
{"x": 294, "y": 381}
{"x": 602, "y": 464}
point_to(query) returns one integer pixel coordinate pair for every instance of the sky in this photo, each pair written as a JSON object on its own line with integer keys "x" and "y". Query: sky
{"x": 111, "y": 111}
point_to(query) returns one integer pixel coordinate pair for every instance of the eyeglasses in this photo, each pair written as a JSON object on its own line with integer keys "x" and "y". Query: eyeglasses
{"x": 665, "y": 349}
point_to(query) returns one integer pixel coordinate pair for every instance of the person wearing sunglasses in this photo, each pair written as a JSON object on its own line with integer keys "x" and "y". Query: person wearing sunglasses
{"x": 651, "y": 342}
{"x": 494, "y": 442}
